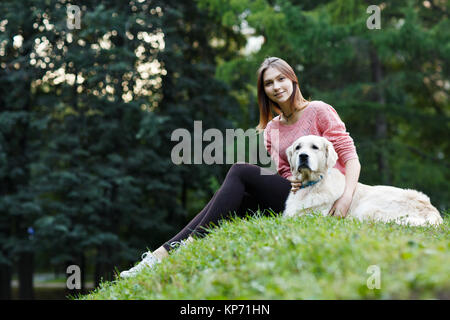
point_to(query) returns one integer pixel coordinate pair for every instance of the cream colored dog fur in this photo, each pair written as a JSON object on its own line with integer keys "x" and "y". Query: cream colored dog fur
{"x": 311, "y": 157}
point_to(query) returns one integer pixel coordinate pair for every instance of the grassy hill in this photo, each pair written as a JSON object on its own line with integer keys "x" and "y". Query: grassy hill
{"x": 313, "y": 257}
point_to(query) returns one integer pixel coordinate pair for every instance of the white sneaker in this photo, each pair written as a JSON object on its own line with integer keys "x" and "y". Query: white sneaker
{"x": 178, "y": 244}
{"x": 148, "y": 261}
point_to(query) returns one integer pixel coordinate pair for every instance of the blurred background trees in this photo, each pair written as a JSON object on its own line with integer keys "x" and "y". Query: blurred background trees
{"x": 86, "y": 115}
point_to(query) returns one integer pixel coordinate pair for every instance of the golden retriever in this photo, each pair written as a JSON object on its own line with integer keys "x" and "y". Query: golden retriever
{"x": 312, "y": 160}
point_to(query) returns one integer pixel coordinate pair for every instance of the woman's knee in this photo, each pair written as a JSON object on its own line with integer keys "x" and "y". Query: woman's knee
{"x": 241, "y": 168}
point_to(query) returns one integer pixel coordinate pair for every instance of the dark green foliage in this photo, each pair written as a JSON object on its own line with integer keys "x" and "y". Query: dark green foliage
{"x": 85, "y": 161}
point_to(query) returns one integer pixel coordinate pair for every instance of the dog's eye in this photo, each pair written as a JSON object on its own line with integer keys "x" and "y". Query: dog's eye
{"x": 297, "y": 147}
{"x": 314, "y": 147}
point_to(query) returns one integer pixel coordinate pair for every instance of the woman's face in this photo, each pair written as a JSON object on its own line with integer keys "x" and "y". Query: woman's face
{"x": 277, "y": 86}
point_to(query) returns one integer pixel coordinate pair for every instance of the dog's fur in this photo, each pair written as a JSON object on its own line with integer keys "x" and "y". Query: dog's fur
{"x": 379, "y": 203}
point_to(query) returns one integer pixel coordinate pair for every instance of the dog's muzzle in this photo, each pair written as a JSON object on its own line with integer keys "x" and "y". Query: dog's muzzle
{"x": 303, "y": 161}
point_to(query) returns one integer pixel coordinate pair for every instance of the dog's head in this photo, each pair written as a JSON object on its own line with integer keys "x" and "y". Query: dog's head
{"x": 310, "y": 156}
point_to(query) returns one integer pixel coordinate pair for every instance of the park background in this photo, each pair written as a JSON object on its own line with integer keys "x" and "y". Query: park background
{"x": 86, "y": 115}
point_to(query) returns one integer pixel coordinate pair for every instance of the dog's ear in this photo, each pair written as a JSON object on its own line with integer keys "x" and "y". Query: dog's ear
{"x": 331, "y": 155}
{"x": 289, "y": 152}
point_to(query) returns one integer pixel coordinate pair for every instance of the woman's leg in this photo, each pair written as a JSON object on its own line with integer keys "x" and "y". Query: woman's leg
{"x": 245, "y": 185}
{"x": 248, "y": 203}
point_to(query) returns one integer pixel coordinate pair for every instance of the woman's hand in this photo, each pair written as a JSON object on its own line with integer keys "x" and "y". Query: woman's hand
{"x": 296, "y": 184}
{"x": 341, "y": 206}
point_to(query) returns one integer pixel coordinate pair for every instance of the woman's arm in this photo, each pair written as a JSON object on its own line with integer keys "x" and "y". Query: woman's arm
{"x": 331, "y": 127}
{"x": 341, "y": 205}
{"x": 352, "y": 170}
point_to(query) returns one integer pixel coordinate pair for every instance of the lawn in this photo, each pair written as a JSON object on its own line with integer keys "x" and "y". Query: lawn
{"x": 313, "y": 257}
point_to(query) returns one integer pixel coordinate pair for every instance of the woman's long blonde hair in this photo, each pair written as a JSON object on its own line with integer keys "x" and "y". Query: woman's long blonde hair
{"x": 265, "y": 104}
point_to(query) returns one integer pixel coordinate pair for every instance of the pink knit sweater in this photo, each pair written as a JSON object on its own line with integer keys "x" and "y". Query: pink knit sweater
{"x": 318, "y": 119}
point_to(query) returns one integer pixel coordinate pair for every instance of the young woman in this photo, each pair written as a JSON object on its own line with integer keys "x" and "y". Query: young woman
{"x": 247, "y": 186}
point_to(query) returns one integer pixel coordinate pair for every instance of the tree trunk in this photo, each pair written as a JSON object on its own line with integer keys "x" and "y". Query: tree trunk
{"x": 83, "y": 271}
{"x": 25, "y": 270}
{"x": 184, "y": 194}
{"x": 382, "y": 126}
{"x": 5, "y": 269}
{"x": 5, "y": 282}
{"x": 98, "y": 268}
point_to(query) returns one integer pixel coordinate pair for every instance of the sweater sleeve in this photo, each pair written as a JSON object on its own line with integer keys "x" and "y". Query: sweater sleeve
{"x": 283, "y": 167}
{"x": 267, "y": 143}
{"x": 331, "y": 127}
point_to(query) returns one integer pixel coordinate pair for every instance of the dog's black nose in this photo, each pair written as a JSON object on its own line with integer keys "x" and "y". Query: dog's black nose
{"x": 303, "y": 157}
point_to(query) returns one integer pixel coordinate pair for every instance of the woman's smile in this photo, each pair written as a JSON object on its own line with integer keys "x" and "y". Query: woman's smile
{"x": 278, "y": 95}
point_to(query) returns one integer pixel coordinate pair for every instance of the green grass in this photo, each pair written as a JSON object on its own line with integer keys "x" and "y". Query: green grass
{"x": 312, "y": 257}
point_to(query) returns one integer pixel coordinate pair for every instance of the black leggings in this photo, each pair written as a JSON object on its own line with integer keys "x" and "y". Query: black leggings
{"x": 245, "y": 188}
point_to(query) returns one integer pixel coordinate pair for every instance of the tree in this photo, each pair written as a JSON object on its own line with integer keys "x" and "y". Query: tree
{"x": 18, "y": 147}
{"x": 96, "y": 113}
